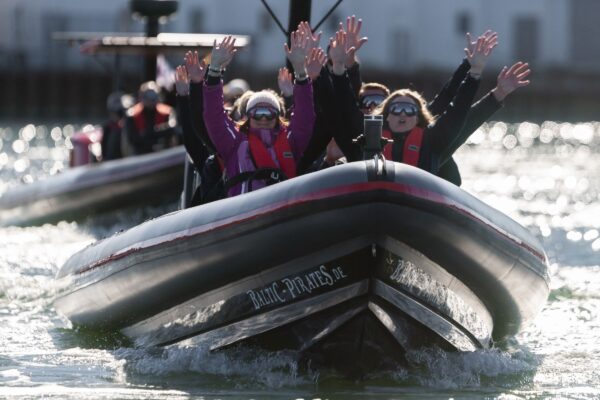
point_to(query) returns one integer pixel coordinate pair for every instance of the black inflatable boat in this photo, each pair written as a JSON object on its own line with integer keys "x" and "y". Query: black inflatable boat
{"x": 91, "y": 189}
{"x": 354, "y": 264}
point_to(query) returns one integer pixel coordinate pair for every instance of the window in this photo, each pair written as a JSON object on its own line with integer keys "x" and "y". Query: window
{"x": 266, "y": 21}
{"x": 585, "y": 48}
{"x": 196, "y": 21}
{"x": 333, "y": 22}
{"x": 526, "y": 34}
{"x": 463, "y": 23}
{"x": 400, "y": 47}
{"x": 54, "y": 53}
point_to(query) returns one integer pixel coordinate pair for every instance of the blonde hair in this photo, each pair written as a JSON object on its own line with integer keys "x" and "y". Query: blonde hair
{"x": 424, "y": 115}
{"x": 238, "y": 111}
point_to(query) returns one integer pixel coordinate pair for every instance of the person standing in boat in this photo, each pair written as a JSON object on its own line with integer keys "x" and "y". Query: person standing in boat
{"x": 264, "y": 148}
{"x": 150, "y": 125}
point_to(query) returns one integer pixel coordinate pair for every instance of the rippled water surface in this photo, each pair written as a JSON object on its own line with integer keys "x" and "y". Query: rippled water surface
{"x": 544, "y": 176}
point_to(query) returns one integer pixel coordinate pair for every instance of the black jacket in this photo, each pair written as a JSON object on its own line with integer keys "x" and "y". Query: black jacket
{"x": 328, "y": 119}
{"x": 438, "y": 137}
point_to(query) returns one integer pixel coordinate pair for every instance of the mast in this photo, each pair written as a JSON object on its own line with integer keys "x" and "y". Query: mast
{"x": 153, "y": 12}
{"x": 299, "y": 11}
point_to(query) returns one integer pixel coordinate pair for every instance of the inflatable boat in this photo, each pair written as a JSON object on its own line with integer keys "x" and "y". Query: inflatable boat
{"x": 352, "y": 266}
{"x": 90, "y": 189}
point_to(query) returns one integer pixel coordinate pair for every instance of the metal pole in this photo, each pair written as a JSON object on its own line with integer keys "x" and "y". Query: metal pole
{"x": 150, "y": 59}
{"x": 299, "y": 11}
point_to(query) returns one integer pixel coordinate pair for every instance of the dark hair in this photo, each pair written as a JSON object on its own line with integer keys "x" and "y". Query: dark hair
{"x": 373, "y": 86}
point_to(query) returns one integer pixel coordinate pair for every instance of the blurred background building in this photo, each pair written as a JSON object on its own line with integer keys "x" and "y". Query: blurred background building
{"x": 415, "y": 43}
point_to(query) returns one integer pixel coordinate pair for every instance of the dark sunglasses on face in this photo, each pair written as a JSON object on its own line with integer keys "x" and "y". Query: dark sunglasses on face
{"x": 409, "y": 109}
{"x": 371, "y": 100}
{"x": 267, "y": 113}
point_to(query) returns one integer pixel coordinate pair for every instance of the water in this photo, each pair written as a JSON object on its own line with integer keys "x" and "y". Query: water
{"x": 543, "y": 176}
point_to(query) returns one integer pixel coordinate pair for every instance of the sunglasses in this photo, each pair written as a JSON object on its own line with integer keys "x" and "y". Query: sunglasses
{"x": 409, "y": 109}
{"x": 371, "y": 100}
{"x": 267, "y": 113}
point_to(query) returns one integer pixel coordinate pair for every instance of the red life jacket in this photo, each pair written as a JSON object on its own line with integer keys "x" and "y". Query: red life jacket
{"x": 161, "y": 115}
{"x": 283, "y": 152}
{"x": 412, "y": 147}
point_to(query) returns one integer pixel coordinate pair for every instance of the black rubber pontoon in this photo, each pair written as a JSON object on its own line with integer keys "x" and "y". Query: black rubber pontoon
{"x": 360, "y": 262}
{"x": 90, "y": 189}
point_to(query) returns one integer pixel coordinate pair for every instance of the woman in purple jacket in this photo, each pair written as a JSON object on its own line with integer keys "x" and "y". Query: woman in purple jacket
{"x": 265, "y": 148}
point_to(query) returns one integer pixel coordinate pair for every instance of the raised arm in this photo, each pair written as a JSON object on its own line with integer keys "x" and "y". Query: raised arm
{"x": 285, "y": 82}
{"x": 443, "y": 98}
{"x": 350, "y": 118}
{"x": 196, "y": 69}
{"x": 438, "y": 105}
{"x": 354, "y": 40}
{"x": 195, "y": 148}
{"x": 300, "y": 54}
{"x": 509, "y": 79}
{"x": 449, "y": 125}
{"x": 221, "y": 129}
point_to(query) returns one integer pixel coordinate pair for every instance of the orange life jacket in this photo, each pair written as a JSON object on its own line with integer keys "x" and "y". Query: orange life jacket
{"x": 283, "y": 152}
{"x": 163, "y": 111}
{"x": 412, "y": 147}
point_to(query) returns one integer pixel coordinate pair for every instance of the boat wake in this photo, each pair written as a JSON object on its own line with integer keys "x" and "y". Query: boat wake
{"x": 247, "y": 367}
{"x": 252, "y": 368}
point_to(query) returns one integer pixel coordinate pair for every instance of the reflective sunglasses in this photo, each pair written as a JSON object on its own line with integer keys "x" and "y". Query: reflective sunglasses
{"x": 371, "y": 100}
{"x": 267, "y": 113}
{"x": 409, "y": 109}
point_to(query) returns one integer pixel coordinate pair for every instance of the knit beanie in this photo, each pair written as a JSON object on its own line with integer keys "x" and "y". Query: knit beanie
{"x": 263, "y": 97}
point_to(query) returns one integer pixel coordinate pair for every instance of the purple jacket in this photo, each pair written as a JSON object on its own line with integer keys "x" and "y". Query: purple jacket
{"x": 232, "y": 145}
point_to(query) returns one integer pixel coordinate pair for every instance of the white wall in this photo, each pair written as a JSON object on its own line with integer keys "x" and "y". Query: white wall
{"x": 433, "y": 40}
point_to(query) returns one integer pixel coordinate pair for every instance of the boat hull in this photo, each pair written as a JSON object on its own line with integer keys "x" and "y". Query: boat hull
{"x": 92, "y": 189}
{"x": 312, "y": 263}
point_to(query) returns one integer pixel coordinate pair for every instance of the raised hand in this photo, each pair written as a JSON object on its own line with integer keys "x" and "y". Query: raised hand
{"x": 285, "y": 82}
{"x": 315, "y": 61}
{"x": 338, "y": 51}
{"x": 510, "y": 79}
{"x": 195, "y": 69}
{"x": 480, "y": 52}
{"x": 489, "y": 34}
{"x": 298, "y": 51}
{"x": 353, "y": 38}
{"x": 222, "y": 53}
{"x": 182, "y": 82}
{"x": 313, "y": 40}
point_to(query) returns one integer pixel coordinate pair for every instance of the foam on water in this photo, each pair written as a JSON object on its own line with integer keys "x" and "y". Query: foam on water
{"x": 244, "y": 366}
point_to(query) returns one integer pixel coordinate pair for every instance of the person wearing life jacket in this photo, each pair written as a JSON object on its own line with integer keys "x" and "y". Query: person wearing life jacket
{"x": 150, "y": 125}
{"x": 419, "y": 139}
{"x": 264, "y": 148}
